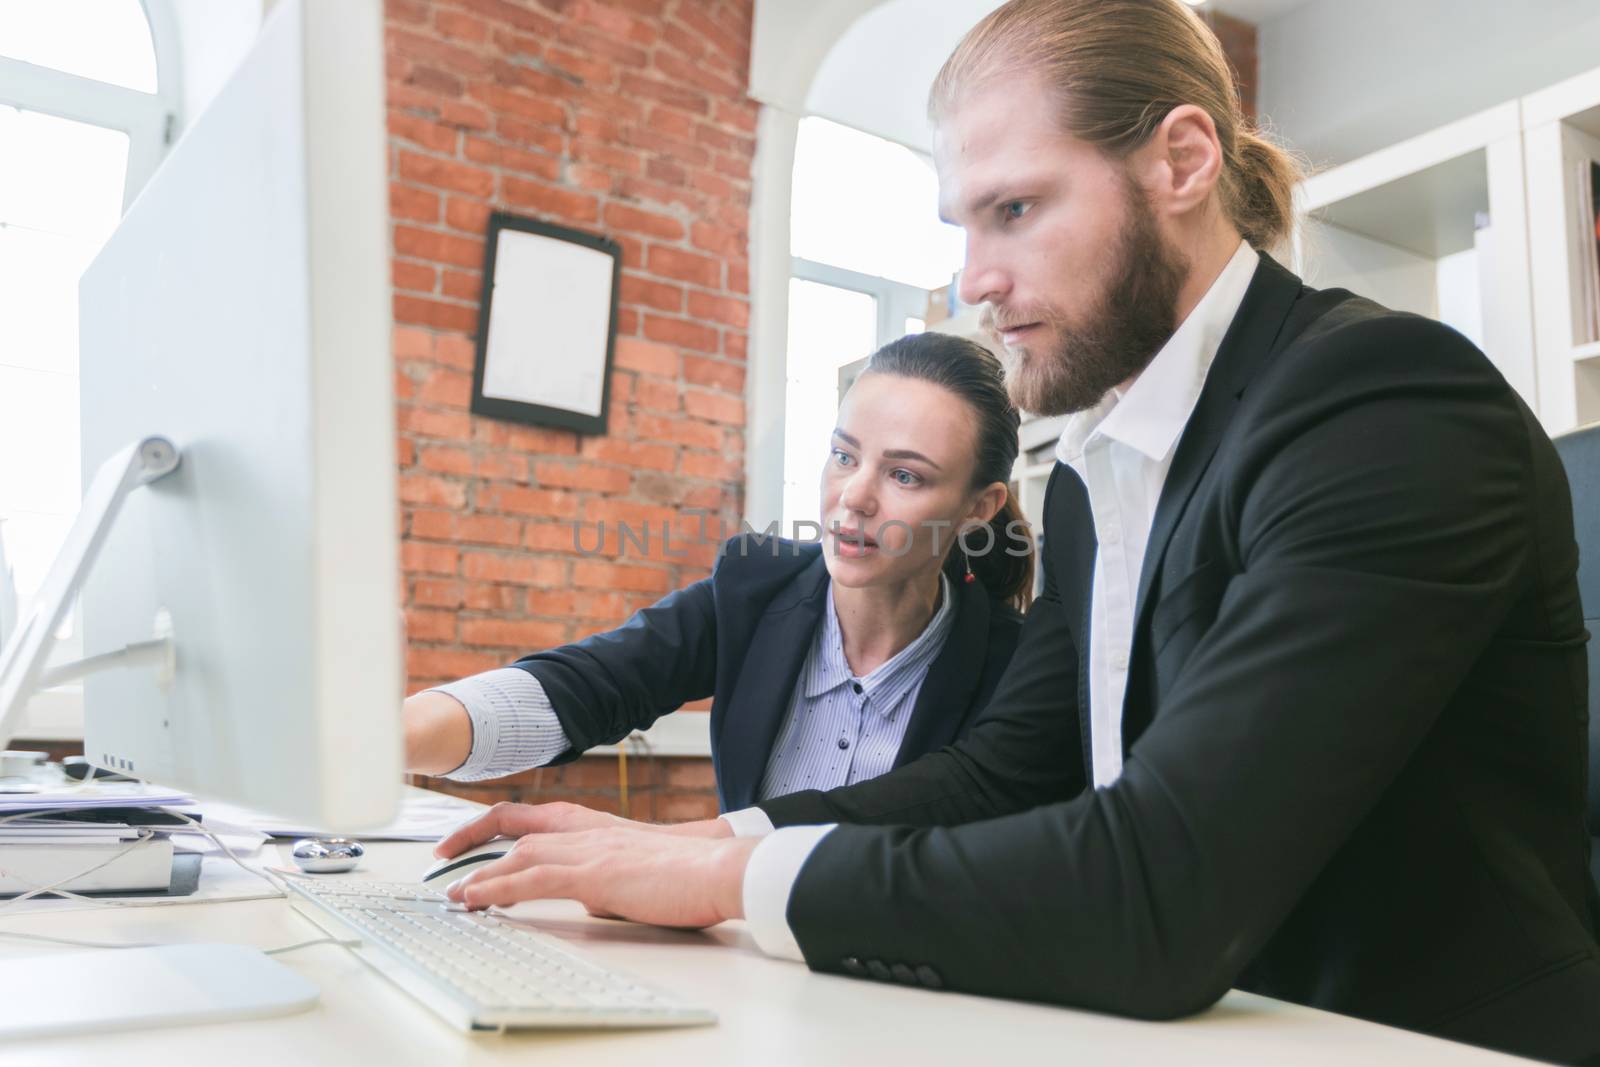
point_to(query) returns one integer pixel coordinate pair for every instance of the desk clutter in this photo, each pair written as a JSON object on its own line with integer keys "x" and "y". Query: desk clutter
{"x": 75, "y": 835}
{"x": 118, "y": 844}
{"x": 64, "y": 837}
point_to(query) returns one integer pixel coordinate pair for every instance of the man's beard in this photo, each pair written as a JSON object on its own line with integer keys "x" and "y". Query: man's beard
{"x": 1134, "y": 316}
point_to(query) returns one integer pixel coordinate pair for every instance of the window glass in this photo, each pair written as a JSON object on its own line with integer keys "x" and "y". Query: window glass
{"x": 871, "y": 206}
{"x": 828, "y": 327}
{"x": 55, "y": 213}
{"x": 107, "y": 40}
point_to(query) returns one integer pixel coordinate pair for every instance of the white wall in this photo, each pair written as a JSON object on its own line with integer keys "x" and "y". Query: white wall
{"x": 213, "y": 37}
{"x": 1339, "y": 78}
{"x": 877, "y": 77}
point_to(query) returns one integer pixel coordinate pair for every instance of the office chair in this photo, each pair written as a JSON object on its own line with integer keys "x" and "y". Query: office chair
{"x": 1580, "y": 454}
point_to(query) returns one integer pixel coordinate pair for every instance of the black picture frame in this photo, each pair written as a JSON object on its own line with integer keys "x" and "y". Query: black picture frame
{"x": 524, "y": 409}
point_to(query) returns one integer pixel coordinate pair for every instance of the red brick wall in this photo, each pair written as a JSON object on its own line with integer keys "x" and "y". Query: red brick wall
{"x": 622, "y": 117}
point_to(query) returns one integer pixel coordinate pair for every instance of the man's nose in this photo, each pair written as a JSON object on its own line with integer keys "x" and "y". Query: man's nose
{"x": 982, "y": 280}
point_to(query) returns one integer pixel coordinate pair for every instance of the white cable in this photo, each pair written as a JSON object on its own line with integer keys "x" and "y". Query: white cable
{"x": 75, "y": 943}
{"x": 146, "y": 834}
{"x": 340, "y": 941}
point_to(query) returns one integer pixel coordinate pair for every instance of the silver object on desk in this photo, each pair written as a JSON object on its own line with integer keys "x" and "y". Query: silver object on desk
{"x": 327, "y": 855}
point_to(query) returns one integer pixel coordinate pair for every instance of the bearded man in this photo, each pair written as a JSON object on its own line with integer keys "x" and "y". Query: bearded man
{"x": 1301, "y": 709}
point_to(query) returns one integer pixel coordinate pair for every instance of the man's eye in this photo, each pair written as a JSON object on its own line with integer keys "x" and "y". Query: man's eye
{"x": 842, "y": 458}
{"x": 1015, "y": 210}
{"x": 905, "y": 477}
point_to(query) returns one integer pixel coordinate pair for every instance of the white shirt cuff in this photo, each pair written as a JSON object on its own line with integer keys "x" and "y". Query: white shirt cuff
{"x": 748, "y": 822}
{"x": 514, "y": 726}
{"x": 769, "y": 880}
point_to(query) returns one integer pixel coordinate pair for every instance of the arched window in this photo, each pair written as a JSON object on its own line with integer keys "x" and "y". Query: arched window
{"x": 87, "y": 106}
{"x": 867, "y": 248}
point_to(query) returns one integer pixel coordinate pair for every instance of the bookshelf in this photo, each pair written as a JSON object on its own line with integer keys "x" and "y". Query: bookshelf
{"x": 1561, "y": 126}
{"x": 1471, "y": 223}
{"x": 1436, "y": 225}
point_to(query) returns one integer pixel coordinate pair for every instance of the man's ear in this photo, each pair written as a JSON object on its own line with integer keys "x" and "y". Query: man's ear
{"x": 1182, "y": 160}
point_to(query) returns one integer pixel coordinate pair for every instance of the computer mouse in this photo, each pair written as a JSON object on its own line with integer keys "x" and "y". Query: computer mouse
{"x": 443, "y": 872}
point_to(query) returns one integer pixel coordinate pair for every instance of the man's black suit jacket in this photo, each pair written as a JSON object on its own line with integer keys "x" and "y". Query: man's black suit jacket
{"x": 743, "y": 634}
{"x": 1354, "y": 726}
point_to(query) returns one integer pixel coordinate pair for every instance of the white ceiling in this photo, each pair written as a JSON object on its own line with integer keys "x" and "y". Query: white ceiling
{"x": 876, "y": 77}
{"x": 1257, "y": 11}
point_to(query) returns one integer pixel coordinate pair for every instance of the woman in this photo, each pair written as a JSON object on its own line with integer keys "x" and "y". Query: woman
{"x": 830, "y": 664}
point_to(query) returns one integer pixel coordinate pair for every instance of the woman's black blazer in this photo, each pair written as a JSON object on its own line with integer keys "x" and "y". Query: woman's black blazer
{"x": 741, "y": 636}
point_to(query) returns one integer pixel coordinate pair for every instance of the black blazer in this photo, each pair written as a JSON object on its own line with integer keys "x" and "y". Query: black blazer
{"x": 742, "y": 634}
{"x": 1354, "y": 723}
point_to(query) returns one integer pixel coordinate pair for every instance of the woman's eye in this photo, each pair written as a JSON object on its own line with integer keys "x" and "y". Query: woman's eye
{"x": 842, "y": 458}
{"x": 905, "y": 477}
{"x": 1015, "y": 210}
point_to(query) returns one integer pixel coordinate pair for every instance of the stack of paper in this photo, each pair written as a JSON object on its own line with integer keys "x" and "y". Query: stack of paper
{"x": 36, "y": 797}
{"x": 81, "y": 857}
{"x": 86, "y": 855}
{"x": 424, "y": 816}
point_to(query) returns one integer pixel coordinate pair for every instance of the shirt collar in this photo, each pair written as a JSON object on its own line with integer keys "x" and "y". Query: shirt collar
{"x": 888, "y": 684}
{"x": 1149, "y": 416}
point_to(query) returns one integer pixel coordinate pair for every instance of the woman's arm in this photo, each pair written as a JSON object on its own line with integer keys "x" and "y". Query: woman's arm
{"x": 550, "y": 706}
{"x": 438, "y": 733}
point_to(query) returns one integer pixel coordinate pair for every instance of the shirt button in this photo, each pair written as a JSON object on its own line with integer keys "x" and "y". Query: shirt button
{"x": 856, "y": 687}
{"x": 843, "y": 743}
{"x": 879, "y": 970}
{"x": 929, "y": 977}
{"x": 854, "y": 965}
{"x": 1110, "y": 535}
{"x": 1119, "y": 661}
{"x": 903, "y": 974}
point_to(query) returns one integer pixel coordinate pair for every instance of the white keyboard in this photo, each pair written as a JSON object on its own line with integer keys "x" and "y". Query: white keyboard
{"x": 478, "y": 971}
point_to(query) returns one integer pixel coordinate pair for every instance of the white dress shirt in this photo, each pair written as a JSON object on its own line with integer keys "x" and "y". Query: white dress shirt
{"x": 1122, "y": 449}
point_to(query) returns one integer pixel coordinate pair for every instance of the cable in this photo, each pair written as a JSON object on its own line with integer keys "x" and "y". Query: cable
{"x": 622, "y": 777}
{"x": 340, "y": 941}
{"x": 75, "y": 943}
{"x": 146, "y": 834}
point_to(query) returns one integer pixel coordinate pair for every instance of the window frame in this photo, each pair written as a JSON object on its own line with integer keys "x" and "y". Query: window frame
{"x": 151, "y": 123}
{"x": 897, "y": 301}
{"x": 149, "y": 119}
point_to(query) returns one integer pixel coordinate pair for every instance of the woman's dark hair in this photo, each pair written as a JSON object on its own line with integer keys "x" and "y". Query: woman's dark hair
{"x": 1003, "y": 560}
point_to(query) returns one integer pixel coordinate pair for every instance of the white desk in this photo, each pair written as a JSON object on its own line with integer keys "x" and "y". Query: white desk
{"x": 771, "y": 1012}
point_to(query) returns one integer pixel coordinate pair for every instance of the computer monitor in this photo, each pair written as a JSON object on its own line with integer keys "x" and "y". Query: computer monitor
{"x": 241, "y": 311}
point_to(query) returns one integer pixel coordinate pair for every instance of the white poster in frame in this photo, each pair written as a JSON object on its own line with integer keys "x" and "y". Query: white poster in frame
{"x": 547, "y": 325}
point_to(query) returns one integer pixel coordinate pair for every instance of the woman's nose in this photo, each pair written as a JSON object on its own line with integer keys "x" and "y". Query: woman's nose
{"x": 857, "y": 495}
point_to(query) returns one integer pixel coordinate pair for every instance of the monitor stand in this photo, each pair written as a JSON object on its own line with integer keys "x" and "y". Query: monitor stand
{"x": 137, "y": 987}
{"x": 22, "y": 659}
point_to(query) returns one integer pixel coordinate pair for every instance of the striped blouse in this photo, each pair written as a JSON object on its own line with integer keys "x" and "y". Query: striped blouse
{"x": 839, "y": 728}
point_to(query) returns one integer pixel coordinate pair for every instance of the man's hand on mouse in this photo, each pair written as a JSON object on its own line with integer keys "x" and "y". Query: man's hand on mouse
{"x": 516, "y": 820}
{"x": 629, "y": 873}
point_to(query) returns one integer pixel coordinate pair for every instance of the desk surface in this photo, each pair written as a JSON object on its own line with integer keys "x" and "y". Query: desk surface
{"x": 771, "y": 1012}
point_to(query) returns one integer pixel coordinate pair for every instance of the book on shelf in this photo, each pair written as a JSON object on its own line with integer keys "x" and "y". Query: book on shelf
{"x": 1586, "y": 206}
